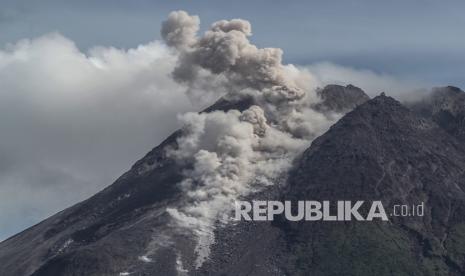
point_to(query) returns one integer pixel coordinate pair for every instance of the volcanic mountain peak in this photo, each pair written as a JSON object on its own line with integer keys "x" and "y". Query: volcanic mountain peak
{"x": 448, "y": 98}
{"x": 379, "y": 116}
{"x": 446, "y": 107}
{"x": 341, "y": 99}
{"x": 379, "y": 151}
{"x": 383, "y": 129}
{"x": 383, "y": 151}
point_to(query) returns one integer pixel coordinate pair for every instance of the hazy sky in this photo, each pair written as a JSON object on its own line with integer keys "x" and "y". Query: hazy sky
{"x": 74, "y": 116}
{"x": 419, "y": 38}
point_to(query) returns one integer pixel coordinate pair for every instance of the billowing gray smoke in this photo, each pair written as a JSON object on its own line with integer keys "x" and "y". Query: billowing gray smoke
{"x": 180, "y": 29}
{"x": 235, "y": 153}
{"x": 226, "y": 50}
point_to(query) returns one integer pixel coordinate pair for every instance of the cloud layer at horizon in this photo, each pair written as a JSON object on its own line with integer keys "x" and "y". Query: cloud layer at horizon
{"x": 412, "y": 39}
{"x": 74, "y": 116}
{"x": 72, "y": 121}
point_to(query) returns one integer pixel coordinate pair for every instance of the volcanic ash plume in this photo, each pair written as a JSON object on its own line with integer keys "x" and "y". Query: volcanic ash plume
{"x": 232, "y": 154}
{"x": 225, "y": 50}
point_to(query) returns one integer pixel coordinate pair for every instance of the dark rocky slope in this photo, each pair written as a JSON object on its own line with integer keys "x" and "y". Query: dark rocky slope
{"x": 445, "y": 106}
{"x": 382, "y": 151}
{"x": 341, "y": 99}
{"x": 108, "y": 232}
{"x": 379, "y": 151}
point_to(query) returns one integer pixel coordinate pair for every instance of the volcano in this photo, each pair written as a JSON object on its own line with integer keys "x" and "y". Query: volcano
{"x": 380, "y": 150}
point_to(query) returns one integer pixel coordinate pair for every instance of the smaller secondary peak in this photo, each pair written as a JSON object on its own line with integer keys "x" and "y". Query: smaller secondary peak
{"x": 452, "y": 88}
{"x": 341, "y": 99}
{"x": 384, "y": 100}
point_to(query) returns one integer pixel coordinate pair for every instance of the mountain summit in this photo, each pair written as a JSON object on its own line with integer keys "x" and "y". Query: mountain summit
{"x": 445, "y": 106}
{"x": 381, "y": 150}
{"x": 338, "y": 98}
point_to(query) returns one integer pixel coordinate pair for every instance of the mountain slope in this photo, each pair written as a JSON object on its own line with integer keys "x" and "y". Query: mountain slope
{"x": 379, "y": 151}
{"x": 382, "y": 151}
{"x": 445, "y": 106}
{"x": 341, "y": 99}
{"x": 111, "y": 230}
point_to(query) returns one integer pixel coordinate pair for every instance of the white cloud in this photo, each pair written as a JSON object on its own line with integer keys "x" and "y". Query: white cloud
{"x": 371, "y": 82}
{"x": 71, "y": 122}
{"x": 236, "y": 153}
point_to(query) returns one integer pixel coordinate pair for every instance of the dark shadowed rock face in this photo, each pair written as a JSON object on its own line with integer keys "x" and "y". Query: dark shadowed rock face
{"x": 445, "y": 106}
{"x": 108, "y": 233}
{"x": 382, "y": 151}
{"x": 341, "y": 99}
{"x": 379, "y": 151}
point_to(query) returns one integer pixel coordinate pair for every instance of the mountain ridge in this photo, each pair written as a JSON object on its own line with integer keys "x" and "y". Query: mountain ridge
{"x": 381, "y": 148}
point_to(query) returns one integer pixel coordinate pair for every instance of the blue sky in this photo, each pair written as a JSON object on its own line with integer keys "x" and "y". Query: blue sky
{"x": 423, "y": 39}
{"x": 66, "y": 133}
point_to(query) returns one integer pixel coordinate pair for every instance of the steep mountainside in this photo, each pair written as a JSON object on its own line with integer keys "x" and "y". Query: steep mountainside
{"x": 110, "y": 231}
{"x": 341, "y": 99}
{"x": 379, "y": 151}
{"x": 446, "y": 106}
